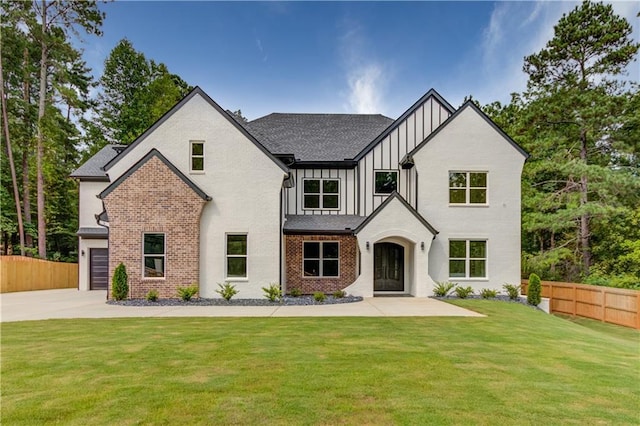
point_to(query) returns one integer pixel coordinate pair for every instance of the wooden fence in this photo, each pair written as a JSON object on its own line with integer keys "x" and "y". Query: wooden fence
{"x": 19, "y": 273}
{"x": 608, "y": 304}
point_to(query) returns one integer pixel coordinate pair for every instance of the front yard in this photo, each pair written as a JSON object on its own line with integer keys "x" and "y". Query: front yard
{"x": 516, "y": 366}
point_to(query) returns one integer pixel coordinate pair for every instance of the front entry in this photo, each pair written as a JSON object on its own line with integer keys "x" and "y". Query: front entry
{"x": 388, "y": 267}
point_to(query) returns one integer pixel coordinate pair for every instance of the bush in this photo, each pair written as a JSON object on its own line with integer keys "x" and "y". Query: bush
{"x": 227, "y": 291}
{"x": 120, "y": 283}
{"x": 513, "y": 291}
{"x": 443, "y": 288}
{"x": 295, "y": 292}
{"x": 339, "y": 294}
{"x": 186, "y": 293}
{"x": 488, "y": 293}
{"x": 272, "y": 292}
{"x": 463, "y": 292}
{"x": 319, "y": 296}
{"x": 152, "y": 296}
{"x": 535, "y": 288}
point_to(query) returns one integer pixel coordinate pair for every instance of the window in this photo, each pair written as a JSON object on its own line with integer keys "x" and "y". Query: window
{"x": 197, "y": 156}
{"x": 321, "y": 193}
{"x": 467, "y": 187}
{"x": 386, "y": 181}
{"x": 153, "y": 252}
{"x": 320, "y": 258}
{"x": 467, "y": 259}
{"x": 236, "y": 256}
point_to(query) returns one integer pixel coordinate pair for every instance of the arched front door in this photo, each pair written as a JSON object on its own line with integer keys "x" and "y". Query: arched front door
{"x": 388, "y": 267}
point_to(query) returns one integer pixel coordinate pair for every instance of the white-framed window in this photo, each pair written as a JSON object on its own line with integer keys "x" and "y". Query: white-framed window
{"x": 321, "y": 194}
{"x": 385, "y": 181}
{"x": 321, "y": 259}
{"x": 196, "y": 163}
{"x": 153, "y": 255}
{"x": 467, "y": 187}
{"x": 468, "y": 259}
{"x": 236, "y": 253}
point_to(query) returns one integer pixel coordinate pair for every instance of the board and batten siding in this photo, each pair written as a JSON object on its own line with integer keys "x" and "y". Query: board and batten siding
{"x": 347, "y": 184}
{"x": 388, "y": 153}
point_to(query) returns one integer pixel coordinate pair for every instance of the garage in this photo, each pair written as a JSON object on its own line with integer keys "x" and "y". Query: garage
{"x": 98, "y": 268}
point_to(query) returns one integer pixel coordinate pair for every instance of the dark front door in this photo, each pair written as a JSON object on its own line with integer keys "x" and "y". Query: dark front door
{"x": 98, "y": 268}
{"x": 388, "y": 267}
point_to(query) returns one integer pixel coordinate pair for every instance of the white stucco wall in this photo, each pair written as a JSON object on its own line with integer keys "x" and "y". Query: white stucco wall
{"x": 90, "y": 204}
{"x": 395, "y": 224}
{"x": 85, "y": 245}
{"x": 243, "y": 182}
{"x": 469, "y": 143}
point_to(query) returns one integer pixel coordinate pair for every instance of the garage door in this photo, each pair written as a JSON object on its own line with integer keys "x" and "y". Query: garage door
{"x": 98, "y": 268}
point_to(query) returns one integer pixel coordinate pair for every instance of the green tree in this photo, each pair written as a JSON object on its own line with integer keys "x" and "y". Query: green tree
{"x": 576, "y": 98}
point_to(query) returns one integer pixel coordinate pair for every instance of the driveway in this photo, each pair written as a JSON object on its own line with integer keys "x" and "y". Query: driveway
{"x": 71, "y": 303}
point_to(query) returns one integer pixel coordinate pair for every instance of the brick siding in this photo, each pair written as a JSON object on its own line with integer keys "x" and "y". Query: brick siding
{"x": 154, "y": 199}
{"x": 348, "y": 264}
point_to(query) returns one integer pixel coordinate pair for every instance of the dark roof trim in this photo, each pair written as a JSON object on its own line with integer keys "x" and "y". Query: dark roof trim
{"x": 196, "y": 91}
{"x": 472, "y": 105}
{"x": 154, "y": 153}
{"x": 395, "y": 195}
{"x": 93, "y": 233}
{"x": 317, "y": 232}
{"x": 407, "y": 113}
{"x": 91, "y": 178}
{"x": 346, "y": 164}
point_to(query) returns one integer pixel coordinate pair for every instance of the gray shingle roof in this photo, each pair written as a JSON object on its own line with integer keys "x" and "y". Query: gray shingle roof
{"x": 92, "y": 168}
{"x": 318, "y": 137}
{"x": 97, "y": 233}
{"x": 324, "y": 223}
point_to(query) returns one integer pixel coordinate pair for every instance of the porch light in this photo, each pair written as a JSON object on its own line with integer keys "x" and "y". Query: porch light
{"x": 367, "y": 245}
{"x": 422, "y": 245}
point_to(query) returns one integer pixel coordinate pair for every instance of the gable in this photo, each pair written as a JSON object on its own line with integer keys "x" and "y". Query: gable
{"x": 395, "y": 211}
{"x": 196, "y": 92}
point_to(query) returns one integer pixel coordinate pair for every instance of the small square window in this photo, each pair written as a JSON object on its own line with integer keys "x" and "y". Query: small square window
{"x": 386, "y": 182}
{"x": 467, "y": 259}
{"x": 321, "y": 259}
{"x": 321, "y": 194}
{"x": 467, "y": 188}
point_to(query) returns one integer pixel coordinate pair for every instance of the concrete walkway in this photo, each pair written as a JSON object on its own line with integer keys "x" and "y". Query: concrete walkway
{"x": 71, "y": 303}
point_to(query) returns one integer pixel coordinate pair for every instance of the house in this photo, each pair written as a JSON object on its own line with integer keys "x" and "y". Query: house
{"x": 317, "y": 202}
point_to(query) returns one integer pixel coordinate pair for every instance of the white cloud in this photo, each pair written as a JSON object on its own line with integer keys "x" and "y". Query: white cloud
{"x": 364, "y": 74}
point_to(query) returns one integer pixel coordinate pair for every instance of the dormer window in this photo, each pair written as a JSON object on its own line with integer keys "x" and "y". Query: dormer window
{"x": 197, "y": 156}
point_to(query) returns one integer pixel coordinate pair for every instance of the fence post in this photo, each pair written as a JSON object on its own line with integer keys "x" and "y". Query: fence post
{"x": 604, "y": 304}
{"x": 575, "y": 300}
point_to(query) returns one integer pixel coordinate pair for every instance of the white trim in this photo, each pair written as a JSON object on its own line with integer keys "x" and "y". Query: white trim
{"x": 320, "y": 259}
{"x": 468, "y": 188}
{"x": 164, "y": 256}
{"x": 396, "y": 171}
{"x": 226, "y": 257}
{"x": 321, "y": 193}
{"x": 192, "y": 156}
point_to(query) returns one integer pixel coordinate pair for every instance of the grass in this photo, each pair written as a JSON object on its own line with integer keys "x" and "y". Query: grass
{"x": 516, "y": 366}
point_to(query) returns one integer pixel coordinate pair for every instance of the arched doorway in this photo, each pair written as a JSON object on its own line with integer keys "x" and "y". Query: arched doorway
{"x": 388, "y": 266}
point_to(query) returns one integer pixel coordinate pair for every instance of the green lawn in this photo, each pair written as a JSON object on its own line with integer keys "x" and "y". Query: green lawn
{"x": 516, "y": 366}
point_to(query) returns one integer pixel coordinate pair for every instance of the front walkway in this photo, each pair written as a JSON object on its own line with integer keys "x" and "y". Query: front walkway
{"x": 71, "y": 303}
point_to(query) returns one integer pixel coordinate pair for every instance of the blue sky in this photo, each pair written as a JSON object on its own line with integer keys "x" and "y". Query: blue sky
{"x": 340, "y": 57}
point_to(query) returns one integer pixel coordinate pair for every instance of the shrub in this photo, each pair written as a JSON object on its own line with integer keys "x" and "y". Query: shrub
{"x": 186, "y": 293}
{"x": 463, "y": 292}
{"x": 319, "y": 296}
{"x": 120, "y": 283}
{"x": 513, "y": 291}
{"x": 443, "y": 288}
{"x": 152, "y": 296}
{"x": 535, "y": 288}
{"x": 272, "y": 292}
{"x": 295, "y": 292}
{"x": 488, "y": 293}
{"x": 227, "y": 291}
{"x": 339, "y": 294}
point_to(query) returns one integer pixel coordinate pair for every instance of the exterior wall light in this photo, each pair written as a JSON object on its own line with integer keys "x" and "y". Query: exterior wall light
{"x": 422, "y": 245}
{"x": 367, "y": 245}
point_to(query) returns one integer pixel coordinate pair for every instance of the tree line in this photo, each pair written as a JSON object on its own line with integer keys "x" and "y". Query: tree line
{"x": 579, "y": 118}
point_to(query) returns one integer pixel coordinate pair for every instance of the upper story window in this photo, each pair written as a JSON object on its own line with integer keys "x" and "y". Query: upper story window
{"x": 320, "y": 258}
{"x": 386, "y": 181}
{"x": 467, "y": 187}
{"x": 467, "y": 259}
{"x": 321, "y": 193}
{"x": 153, "y": 253}
{"x": 197, "y": 156}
